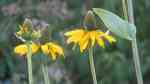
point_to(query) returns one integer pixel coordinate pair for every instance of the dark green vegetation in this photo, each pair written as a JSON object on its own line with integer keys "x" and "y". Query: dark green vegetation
{"x": 114, "y": 65}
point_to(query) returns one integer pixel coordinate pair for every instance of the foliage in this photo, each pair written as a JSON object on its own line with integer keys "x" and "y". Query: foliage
{"x": 113, "y": 65}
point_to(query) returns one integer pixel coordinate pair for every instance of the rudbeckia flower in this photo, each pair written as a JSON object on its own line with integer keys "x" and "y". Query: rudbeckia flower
{"x": 88, "y": 35}
{"x": 52, "y": 49}
{"x": 85, "y": 38}
{"x": 22, "y": 49}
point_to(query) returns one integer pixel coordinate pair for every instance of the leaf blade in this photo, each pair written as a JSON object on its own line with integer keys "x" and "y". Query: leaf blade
{"x": 115, "y": 24}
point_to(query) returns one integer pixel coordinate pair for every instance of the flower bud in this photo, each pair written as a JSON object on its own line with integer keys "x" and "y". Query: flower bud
{"x": 36, "y": 35}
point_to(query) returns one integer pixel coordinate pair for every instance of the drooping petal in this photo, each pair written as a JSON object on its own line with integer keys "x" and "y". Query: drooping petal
{"x": 35, "y": 48}
{"x": 84, "y": 41}
{"x": 45, "y": 49}
{"x": 77, "y": 31}
{"x": 52, "y": 49}
{"x": 57, "y": 49}
{"x": 100, "y": 42}
{"x": 110, "y": 38}
{"x": 52, "y": 54}
{"x": 75, "y": 37}
{"x": 21, "y": 49}
{"x": 92, "y": 37}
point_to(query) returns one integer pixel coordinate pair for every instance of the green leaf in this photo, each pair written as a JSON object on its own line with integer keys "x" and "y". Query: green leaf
{"x": 115, "y": 24}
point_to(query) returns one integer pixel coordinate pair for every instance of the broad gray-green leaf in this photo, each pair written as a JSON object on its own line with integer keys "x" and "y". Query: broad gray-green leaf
{"x": 115, "y": 24}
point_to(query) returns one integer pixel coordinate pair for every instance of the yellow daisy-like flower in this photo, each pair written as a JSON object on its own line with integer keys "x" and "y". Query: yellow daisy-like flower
{"x": 85, "y": 38}
{"x": 22, "y": 49}
{"x": 52, "y": 49}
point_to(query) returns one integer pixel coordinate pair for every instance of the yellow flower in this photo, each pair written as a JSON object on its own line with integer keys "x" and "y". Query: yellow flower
{"x": 22, "y": 49}
{"x": 52, "y": 49}
{"x": 85, "y": 38}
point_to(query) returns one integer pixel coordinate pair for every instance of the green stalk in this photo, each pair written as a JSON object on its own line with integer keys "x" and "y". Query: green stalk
{"x": 137, "y": 62}
{"x": 136, "y": 59}
{"x": 29, "y": 62}
{"x": 134, "y": 46}
{"x": 45, "y": 74}
{"x": 91, "y": 60}
{"x": 124, "y": 7}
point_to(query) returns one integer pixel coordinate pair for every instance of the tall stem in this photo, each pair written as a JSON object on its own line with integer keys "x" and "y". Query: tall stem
{"x": 91, "y": 60}
{"x": 130, "y": 11}
{"x": 45, "y": 74}
{"x": 136, "y": 59}
{"x": 124, "y": 7}
{"x": 29, "y": 62}
{"x": 137, "y": 62}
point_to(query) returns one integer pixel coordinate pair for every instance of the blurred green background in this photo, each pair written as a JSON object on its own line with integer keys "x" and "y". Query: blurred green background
{"x": 114, "y": 65}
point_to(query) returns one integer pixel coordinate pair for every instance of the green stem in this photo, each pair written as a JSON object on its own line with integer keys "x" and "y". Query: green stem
{"x": 45, "y": 74}
{"x": 130, "y": 11}
{"x": 124, "y": 7}
{"x": 29, "y": 62}
{"x": 130, "y": 18}
{"x": 137, "y": 62}
{"x": 91, "y": 60}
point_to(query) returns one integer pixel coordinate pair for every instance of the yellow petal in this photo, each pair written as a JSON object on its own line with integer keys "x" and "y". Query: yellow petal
{"x": 100, "y": 42}
{"x": 84, "y": 42}
{"x": 99, "y": 32}
{"x": 72, "y": 39}
{"x": 21, "y": 49}
{"x": 45, "y": 49}
{"x": 77, "y": 31}
{"x": 35, "y": 48}
{"x": 57, "y": 49}
{"x": 110, "y": 38}
{"x": 52, "y": 54}
{"x": 53, "y": 50}
{"x": 75, "y": 37}
{"x": 92, "y": 37}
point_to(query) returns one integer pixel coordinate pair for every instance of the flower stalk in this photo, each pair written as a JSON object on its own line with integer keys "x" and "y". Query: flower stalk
{"x": 137, "y": 62}
{"x": 124, "y": 7}
{"x": 91, "y": 60}
{"x": 45, "y": 73}
{"x": 128, "y": 14}
{"x": 29, "y": 62}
